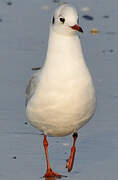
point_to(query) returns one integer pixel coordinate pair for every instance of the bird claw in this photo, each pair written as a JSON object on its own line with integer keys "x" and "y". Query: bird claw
{"x": 53, "y": 174}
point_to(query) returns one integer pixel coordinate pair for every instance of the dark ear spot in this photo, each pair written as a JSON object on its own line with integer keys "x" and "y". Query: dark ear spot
{"x": 53, "y": 20}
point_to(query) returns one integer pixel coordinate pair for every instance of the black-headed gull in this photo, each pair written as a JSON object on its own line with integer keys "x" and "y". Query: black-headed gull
{"x": 60, "y": 98}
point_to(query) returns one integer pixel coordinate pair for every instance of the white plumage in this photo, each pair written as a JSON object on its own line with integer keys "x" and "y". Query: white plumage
{"x": 61, "y": 96}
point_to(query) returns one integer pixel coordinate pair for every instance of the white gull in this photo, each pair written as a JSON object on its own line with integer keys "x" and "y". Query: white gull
{"x": 60, "y": 98}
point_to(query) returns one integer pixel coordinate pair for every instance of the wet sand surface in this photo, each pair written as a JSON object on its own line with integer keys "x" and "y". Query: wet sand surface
{"x": 24, "y": 29}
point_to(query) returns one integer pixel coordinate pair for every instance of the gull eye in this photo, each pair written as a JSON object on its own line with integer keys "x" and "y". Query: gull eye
{"x": 78, "y": 21}
{"x": 62, "y": 20}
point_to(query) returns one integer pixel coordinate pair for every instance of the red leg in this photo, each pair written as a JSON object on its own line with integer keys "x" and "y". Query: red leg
{"x": 70, "y": 161}
{"x": 49, "y": 172}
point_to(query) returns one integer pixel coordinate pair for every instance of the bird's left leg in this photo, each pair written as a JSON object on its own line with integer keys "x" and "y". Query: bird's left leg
{"x": 70, "y": 161}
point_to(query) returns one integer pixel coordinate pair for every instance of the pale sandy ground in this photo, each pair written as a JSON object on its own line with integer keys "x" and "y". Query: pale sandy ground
{"x": 23, "y": 41}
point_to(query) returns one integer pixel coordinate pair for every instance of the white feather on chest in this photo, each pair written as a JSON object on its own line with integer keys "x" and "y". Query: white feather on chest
{"x": 64, "y": 99}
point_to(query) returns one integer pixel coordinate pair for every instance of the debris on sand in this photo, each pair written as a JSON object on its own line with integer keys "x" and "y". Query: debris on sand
{"x": 105, "y": 16}
{"x": 94, "y": 31}
{"x": 9, "y": 3}
{"x": 87, "y": 17}
{"x": 14, "y": 157}
{"x": 56, "y": 1}
{"x": 45, "y": 7}
{"x": 85, "y": 9}
{"x": 111, "y": 50}
{"x": 108, "y": 51}
{"x": 111, "y": 33}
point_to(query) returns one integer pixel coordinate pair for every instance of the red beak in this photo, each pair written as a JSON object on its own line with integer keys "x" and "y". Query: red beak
{"x": 76, "y": 27}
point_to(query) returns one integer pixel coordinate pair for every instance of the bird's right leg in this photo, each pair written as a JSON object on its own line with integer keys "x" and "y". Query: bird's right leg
{"x": 49, "y": 172}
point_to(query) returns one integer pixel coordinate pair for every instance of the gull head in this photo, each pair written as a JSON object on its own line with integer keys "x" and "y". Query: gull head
{"x": 65, "y": 20}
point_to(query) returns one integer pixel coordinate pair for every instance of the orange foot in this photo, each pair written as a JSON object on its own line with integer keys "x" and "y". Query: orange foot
{"x": 70, "y": 161}
{"x": 51, "y": 173}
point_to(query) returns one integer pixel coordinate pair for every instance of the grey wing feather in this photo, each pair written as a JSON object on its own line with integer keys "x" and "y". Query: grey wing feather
{"x": 31, "y": 87}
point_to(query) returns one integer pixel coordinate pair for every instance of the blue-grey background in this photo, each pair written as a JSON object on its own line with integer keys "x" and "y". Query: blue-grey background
{"x": 24, "y": 28}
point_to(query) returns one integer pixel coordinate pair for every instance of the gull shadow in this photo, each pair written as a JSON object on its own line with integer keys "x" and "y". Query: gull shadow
{"x": 54, "y": 178}
{"x": 50, "y": 178}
